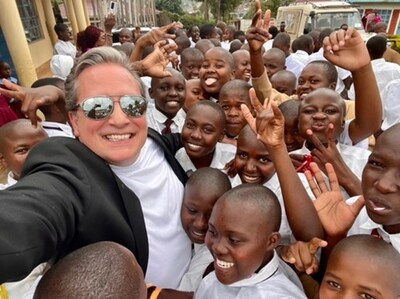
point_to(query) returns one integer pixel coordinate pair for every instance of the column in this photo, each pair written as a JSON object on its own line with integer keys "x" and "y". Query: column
{"x": 10, "y": 22}
{"x": 71, "y": 17}
{"x": 50, "y": 20}
{"x": 86, "y": 12}
{"x": 80, "y": 15}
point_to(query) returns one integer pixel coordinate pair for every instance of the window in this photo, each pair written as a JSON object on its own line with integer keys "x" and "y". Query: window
{"x": 30, "y": 20}
{"x": 385, "y": 15}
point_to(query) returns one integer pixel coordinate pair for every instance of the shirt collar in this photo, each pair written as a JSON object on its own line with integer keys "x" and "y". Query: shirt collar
{"x": 266, "y": 272}
{"x": 394, "y": 239}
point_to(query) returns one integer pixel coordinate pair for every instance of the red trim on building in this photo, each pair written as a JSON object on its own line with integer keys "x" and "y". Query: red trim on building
{"x": 393, "y": 22}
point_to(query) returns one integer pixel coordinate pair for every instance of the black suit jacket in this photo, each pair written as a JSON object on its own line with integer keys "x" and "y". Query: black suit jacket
{"x": 67, "y": 198}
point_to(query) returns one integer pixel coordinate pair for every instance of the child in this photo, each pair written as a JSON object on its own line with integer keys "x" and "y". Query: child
{"x": 196, "y": 210}
{"x": 191, "y": 61}
{"x": 56, "y": 123}
{"x": 63, "y": 46}
{"x": 362, "y": 266}
{"x": 282, "y": 41}
{"x": 194, "y": 35}
{"x": 217, "y": 69}
{"x": 322, "y": 111}
{"x": 274, "y": 61}
{"x": 9, "y": 108}
{"x": 16, "y": 140}
{"x": 284, "y": 81}
{"x": 194, "y": 94}
{"x": 100, "y": 270}
{"x": 290, "y": 110}
{"x": 201, "y": 135}
{"x": 204, "y": 45}
{"x": 125, "y": 36}
{"x": 241, "y": 58}
{"x": 233, "y": 94}
{"x": 242, "y": 236}
{"x": 169, "y": 96}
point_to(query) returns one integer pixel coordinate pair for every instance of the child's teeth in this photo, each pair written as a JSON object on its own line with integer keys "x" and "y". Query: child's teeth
{"x": 379, "y": 209}
{"x": 223, "y": 264}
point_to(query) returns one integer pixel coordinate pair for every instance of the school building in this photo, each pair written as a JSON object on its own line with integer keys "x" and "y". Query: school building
{"x": 27, "y": 36}
{"x": 388, "y": 10}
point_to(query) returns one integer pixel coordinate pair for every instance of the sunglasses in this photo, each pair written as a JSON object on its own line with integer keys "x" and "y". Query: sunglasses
{"x": 101, "y": 107}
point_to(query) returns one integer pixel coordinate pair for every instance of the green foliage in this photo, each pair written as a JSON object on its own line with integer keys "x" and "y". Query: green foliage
{"x": 273, "y": 5}
{"x": 225, "y": 6}
{"x": 174, "y": 6}
{"x": 187, "y": 20}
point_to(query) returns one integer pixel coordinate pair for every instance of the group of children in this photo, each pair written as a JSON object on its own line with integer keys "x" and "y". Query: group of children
{"x": 248, "y": 206}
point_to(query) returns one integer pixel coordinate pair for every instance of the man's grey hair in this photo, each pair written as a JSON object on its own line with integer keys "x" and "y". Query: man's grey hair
{"x": 93, "y": 57}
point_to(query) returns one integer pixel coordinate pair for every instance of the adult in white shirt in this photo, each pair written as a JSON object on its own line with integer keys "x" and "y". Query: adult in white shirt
{"x": 64, "y": 46}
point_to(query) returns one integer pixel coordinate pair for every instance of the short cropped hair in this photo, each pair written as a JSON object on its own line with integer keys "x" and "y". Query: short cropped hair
{"x": 93, "y": 57}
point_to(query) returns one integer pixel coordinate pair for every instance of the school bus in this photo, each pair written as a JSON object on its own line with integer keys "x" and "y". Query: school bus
{"x": 303, "y": 17}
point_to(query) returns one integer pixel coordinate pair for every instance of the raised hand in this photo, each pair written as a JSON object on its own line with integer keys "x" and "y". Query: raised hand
{"x": 302, "y": 255}
{"x": 109, "y": 22}
{"x": 32, "y": 98}
{"x": 346, "y": 49}
{"x": 269, "y": 123}
{"x": 335, "y": 214}
{"x": 258, "y": 34}
{"x": 329, "y": 153}
{"x": 155, "y": 35}
{"x": 154, "y": 64}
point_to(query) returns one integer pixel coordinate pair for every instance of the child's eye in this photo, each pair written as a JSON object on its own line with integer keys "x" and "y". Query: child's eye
{"x": 219, "y": 66}
{"x": 367, "y": 296}
{"x": 242, "y": 156}
{"x": 191, "y": 210}
{"x": 314, "y": 81}
{"x": 334, "y": 284}
{"x": 164, "y": 88}
{"x": 300, "y": 82}
{"x": 375, "y": 164}
{"x": 308, "y": 111}
{"x": 180, "y": 88}
{"x": 190, "y": 125}
{"x": 21, "y": 151}
{"x": 211, "y": 231}
{"x": 204, "y": 66}
{"x": 331, "y": 111}
{"x": 234, "y": 241}
{"x": 225, "y": 107}
{"x": 190, "y": 67}
{"x": 264, "y": 160}
{"x": 208, "y": 130}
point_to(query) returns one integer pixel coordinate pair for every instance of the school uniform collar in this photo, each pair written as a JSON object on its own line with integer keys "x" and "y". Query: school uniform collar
{"x": 394, "y": 239}
{"x": 10, "y": 179}
{"x": 160, "y": 117}
{"x": 265, "y": 273}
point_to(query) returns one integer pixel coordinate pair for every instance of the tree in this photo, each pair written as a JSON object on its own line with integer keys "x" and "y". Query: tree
{"x": 221, "y": 8}
{"x": 174, "y": 6}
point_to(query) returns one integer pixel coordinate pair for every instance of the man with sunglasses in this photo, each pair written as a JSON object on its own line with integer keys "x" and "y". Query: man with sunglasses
{"x": 119, "y": 181}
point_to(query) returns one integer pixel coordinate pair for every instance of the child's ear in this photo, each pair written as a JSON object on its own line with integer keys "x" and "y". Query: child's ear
{"x": 273, "y": 241}
{"x": 332, "y": 85}
{"x": 150, "y": 92}
{"x": 233, "y": 75}
{"x": 222, "y": 135}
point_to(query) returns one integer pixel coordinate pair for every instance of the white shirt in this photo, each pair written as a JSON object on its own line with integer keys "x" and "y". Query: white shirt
{"x": 355, "y": 158}
{"x": 269, "y": 283}
{"x": 200, "y": 260}
{"x": 223, "y": 154}
{"x": 301, "y": 56}
{"x": 342, "y": 73}
{"x": 384, "y": 72}
{"x": 160, "y": 193}
{"x": 10, "y": 181}
{"x": 391, "y": 104}
{"x": 344, "y": 137}
{"x": 364, "y": 225}
{"x": 57, "y": 129}
{"x": 268, "y": 44}
{"x": 64, "y": 48}
{"x": 275, "y": 187}
{"x": 155, "y": 120}
{"x": 294, "y": 65}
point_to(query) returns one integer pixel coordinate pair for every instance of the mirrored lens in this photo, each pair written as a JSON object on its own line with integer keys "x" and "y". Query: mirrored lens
{"x": 133, "y": 106}
{"x": 97, "y": 107}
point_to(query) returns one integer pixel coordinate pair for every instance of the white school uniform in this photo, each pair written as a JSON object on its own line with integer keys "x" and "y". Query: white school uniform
{"x": 156, "y": 120}
{"x": 270, "y": 283}
{"x": 57, "y": 129}
{"x": 223, "y": 154}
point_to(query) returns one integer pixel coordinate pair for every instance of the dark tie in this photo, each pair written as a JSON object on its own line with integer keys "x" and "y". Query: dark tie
{"x": 375, "y": 233}
{"x": 167, "y": 128}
